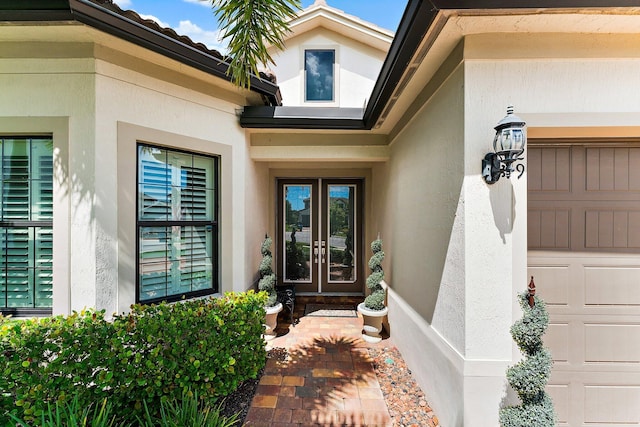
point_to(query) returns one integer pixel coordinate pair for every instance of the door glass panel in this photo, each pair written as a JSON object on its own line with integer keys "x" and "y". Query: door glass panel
{"x": 298, "y": 219}
{"x": 341, "y": 228}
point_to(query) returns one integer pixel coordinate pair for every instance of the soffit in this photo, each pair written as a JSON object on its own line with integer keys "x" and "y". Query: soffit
{"x": 450, "y": 27}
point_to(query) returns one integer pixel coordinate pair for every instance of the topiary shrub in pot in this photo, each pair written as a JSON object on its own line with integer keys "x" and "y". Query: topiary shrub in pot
{"x": 373, "y": 308}
{"x": 267, "y": 284}
{"x": 530, "y": 376}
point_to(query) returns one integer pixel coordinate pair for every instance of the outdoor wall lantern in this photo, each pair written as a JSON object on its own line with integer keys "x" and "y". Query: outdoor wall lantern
{"x": 508, "y": 145}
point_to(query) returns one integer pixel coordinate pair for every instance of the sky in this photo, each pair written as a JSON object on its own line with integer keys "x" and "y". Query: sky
{"x": 194, "y": 18}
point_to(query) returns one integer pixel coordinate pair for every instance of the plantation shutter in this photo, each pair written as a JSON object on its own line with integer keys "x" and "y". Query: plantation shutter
{"x": 176, "y": 224}
{"x": 26, "y": 235}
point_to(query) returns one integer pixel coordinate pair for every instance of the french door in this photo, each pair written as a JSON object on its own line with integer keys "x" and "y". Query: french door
{"x": 320, "y": 235}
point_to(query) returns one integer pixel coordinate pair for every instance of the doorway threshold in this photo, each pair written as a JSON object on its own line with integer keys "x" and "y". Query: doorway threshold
{"x": 330, "y": 294}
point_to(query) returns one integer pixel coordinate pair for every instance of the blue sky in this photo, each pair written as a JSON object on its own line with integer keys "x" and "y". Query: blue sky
{"x": 194, "y": 18}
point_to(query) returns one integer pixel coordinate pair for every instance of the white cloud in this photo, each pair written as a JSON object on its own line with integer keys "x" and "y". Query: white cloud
{"x": 123, "y": 4}
{"x": 211, "y": 38}
{"x": 204, "y": 3}
{"x": 313, "y": 65}
{"x": 153, "y": 18}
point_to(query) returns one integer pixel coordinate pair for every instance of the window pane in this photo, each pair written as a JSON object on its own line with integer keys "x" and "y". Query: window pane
{"x": 176, "y": 258}
{"x": 153, "y": 280}
{"x": 15, "y": 179}
{"x": 43, "y": 273}
{"x": 196, "y": 198}
{"x": 341, "y": 233}
{"x": 18, "y": 267}
{"x": 196, "y": 250}
{"x": 41, "y": 180}
{"x": 153, "y": 244}
{"x": 297, "y": 233}
{"x": 318, "y": 65}
{"x": 154, "y": 195}
{"x": 179, "y": 164}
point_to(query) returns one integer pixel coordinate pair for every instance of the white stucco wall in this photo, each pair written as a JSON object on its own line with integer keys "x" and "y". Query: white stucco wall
{"x": 423, "y": 230}
{"x": 176, "y": 117}
{"x": 97, "y": 110}
{"x": 356, "y": 68}
{"x": 451, "y": 308}
{"x": 55, "y": 96}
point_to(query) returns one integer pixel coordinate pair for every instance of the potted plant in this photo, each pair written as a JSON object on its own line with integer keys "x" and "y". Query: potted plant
{"x": 267, "y": 284}
{"x": 373, "y": 309}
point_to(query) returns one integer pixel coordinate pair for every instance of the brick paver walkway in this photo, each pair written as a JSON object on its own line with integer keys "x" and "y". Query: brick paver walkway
{"x": 326, "y": 379}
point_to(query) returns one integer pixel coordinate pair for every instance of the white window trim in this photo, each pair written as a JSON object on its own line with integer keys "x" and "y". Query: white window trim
{"x": 336, "y": 75}
{"x": 129, "y": 136}
{"x": 58, "y": 127}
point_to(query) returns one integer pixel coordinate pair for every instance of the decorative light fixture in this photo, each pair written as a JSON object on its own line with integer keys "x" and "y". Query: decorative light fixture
{"x": 508, "y": 145}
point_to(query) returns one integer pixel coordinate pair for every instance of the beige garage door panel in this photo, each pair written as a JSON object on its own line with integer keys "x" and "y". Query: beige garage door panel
{"x": 584, "y": 251}
{"x": 602, "y": 400}
{"x": 587, "y": 283}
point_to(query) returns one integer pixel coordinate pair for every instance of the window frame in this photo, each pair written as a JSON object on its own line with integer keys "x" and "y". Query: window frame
{"x": 215, "y": 239}
{"x": 30, "y": 223}
{"x": 334, "y": 90}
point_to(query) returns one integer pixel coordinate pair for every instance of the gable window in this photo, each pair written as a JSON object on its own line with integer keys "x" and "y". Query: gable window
{"x": 26, "y": 224}
{"x": 177, "y": 226}
{"x": 319, "y": 74}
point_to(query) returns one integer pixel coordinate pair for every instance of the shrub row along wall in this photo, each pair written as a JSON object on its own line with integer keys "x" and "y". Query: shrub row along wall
{"x": 155, "y": 352}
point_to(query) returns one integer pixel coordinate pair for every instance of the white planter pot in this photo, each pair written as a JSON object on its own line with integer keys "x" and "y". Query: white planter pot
{"x": 271, "y": 321}
{"x": 372, "y": 323}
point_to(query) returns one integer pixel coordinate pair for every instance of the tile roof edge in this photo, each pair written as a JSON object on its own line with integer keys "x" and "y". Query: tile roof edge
{"x": 216, "y": 63}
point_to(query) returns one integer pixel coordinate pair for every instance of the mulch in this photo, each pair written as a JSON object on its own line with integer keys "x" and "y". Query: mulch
{"x": 407, "y": 404}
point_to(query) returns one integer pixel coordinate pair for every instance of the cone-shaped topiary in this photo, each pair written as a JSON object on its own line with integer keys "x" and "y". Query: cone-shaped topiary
{"x": 267, "y": 281}
{"x": 375, "y": 301}
{"x": 530, "y": 376}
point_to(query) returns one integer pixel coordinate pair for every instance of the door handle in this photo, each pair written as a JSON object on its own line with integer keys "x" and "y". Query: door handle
{"x": 316, "y": 251}
{"x": 324, "y": 250}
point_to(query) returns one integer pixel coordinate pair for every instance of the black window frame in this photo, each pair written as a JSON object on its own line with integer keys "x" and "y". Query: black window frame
{"x": 215, "y": 240}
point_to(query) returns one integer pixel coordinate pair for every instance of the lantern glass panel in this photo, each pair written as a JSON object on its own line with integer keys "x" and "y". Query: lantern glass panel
{"x": 509, "y": 139}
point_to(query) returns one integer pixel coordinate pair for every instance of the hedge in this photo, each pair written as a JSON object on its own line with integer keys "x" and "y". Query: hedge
{"x": 154, "y": 353}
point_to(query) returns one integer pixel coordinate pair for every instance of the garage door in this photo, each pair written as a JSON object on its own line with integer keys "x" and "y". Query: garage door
{"x": 584, "y": 251}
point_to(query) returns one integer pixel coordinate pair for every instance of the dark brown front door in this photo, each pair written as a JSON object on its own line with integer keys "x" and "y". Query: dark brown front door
{"x": 320, "y": 235}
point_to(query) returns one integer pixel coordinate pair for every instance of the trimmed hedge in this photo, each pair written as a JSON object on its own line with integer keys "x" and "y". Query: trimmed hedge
{"x": 154, "y": 353}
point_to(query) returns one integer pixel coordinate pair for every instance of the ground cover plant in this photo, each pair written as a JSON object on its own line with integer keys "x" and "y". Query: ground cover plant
{"x": 153, "y": 354}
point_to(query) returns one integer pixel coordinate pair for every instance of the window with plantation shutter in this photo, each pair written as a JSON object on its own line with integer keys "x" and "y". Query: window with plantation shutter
{"x": 26, "y": 216}
{"x": 177, "y": 224}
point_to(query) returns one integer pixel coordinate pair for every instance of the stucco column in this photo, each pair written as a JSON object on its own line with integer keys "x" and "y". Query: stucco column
{"x": 490, "y": 217}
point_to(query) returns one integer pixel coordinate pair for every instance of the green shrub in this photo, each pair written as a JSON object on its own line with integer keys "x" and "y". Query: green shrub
{"x": 49, "y": 360}
{"x": 154, "y": 353}
{"x": 337, "y": 255}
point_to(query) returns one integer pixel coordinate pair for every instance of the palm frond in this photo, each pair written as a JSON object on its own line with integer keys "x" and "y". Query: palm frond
{"x": 248, "y": 26}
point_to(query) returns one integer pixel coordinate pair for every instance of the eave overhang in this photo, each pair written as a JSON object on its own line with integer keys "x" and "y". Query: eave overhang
{"x": 110, "y": 22}
{"x": 303, "y": 118}
{"x": 418, "y": 19}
